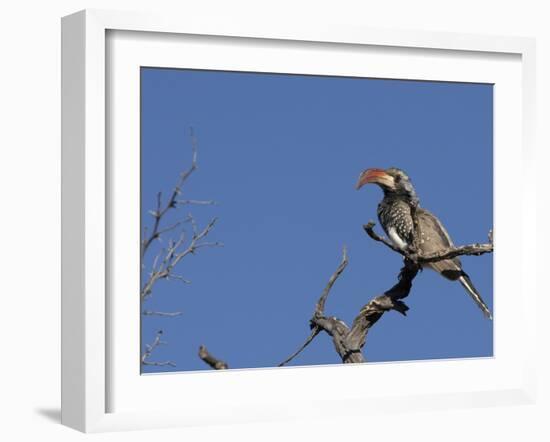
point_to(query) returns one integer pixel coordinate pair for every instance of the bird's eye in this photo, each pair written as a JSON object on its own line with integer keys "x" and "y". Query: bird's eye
{"x": 397, "y": 178}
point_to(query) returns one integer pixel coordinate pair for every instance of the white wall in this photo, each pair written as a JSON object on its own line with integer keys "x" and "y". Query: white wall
{"x": 30, "y": 220}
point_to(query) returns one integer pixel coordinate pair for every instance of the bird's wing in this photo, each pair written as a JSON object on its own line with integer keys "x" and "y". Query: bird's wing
{"x": 430, "y": 225}
{"x": 434, "y": 237}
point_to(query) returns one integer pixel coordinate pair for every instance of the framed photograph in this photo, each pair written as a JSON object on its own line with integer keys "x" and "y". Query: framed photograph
{"x": 270, "y": 220}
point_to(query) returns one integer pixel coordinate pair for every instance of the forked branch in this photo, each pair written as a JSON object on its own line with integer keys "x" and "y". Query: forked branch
{"x": 349, "y": 341}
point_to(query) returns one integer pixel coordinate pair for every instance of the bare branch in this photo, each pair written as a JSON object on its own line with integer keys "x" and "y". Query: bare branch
{"x": 169, "y": 228}
{"x": 314, "y": 332}
{"x": 373, "y": 311}
{"x": 191, "y": 219}
{"x": 178, "y": 278}
{"x": 320, "y": 307}
{"x": 349, "y": 341}
{"x": 157, "y": 214}
{"x": 172, "y": 202}
{"x": 174, "y": 253}
{"x": 159, "y": 364}
{"x": 369, "y": 228}
{"x": 197, "y": 202}
{"x": 333, "y": 326}
{"x": 176, "y": 250}
{"x": 448, "y": 253}
{"x": 215, "y": 363}
{"x": 186, "y": 174}
{"x": 149, "y": 348}
{"x": 453, "y": 252}
{"x": 156, "y": 313}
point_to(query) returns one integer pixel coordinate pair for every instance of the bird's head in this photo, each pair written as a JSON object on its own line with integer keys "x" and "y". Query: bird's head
{"x": 393, "y": 181}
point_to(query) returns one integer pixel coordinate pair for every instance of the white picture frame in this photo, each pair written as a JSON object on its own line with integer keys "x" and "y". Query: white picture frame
{"x": 87, "y": 354}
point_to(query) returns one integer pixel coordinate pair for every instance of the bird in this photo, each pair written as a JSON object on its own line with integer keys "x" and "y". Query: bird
{"x": 395, "y": 215}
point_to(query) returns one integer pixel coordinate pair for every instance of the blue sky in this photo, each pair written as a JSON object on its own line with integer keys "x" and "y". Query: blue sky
{"x": 281, "y": 155}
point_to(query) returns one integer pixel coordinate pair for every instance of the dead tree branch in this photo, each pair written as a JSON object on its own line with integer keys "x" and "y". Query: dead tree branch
{"x": 197, "y": 202}
{"x": 169, "y": 257}
{"x": 172, "y": 202}
{"x": 149, "y": 348}
{"x": 331, "y": 325}
{"x": 349, "y": 341}
{"x": 156, "y": 313}
{"x": 448, "y": 253}
{"x": 215, "y": 363}
{"x": 314, "y": 332}
{"x": 373, "y": 311}
{"x": 174, "y": 253}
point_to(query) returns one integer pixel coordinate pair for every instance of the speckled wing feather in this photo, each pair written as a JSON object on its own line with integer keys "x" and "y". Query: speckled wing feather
{"x": 433, "y": 238}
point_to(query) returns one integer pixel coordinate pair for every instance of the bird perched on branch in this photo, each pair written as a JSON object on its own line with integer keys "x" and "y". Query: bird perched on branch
{"x": 395, "y": 213}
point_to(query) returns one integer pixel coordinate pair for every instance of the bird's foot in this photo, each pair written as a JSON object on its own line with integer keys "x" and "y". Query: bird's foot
{"x": 412, "y": 255}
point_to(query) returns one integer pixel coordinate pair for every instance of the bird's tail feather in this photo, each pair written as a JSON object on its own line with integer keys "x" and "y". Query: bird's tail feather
{"x": 469, "y": 286}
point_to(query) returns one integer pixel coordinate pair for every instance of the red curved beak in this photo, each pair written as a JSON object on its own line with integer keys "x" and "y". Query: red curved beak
{"x": 376, "y": 176}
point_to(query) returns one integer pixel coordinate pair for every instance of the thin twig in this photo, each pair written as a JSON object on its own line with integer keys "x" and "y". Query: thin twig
{"x": 178, "y": 278}
{"x": 157, "y": 313}
{"x": 314, "y": 332}
{"x": 159, "y": 364}
{"x": 320, "y": 307}
{"x": 149, "y": 348}
{"x": 172, "y": 202}
{"x": 197, "y": 202}
{"x": 174, "y": 254}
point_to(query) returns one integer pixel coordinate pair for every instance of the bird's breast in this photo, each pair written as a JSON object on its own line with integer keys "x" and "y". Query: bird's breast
{"x": 397, "y": 240}
{"x": 395, "y": 217}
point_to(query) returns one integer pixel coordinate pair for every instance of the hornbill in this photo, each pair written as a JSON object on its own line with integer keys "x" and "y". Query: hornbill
{"x": 394, "y": 213}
